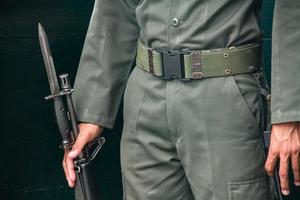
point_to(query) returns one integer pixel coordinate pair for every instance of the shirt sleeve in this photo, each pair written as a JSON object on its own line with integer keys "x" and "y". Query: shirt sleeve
{"x": 107, "y": 57}
{"x": 285, "y": 103}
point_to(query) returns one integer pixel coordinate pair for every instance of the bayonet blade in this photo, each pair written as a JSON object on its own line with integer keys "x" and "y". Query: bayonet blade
{"x": 48, "y": 60}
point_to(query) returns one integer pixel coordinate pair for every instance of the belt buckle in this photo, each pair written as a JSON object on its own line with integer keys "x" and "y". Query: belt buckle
{"x": 172, "y": 65}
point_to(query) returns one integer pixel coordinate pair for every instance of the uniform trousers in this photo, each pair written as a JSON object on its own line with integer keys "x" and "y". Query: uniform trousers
{"x": 198, "y": 139}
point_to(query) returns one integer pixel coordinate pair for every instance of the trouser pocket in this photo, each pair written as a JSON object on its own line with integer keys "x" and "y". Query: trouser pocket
{"x": 247, "y": 91}
{"x": 256, "y": 189}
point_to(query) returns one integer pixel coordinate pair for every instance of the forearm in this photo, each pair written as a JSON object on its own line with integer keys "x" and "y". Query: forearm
{"x": 106, "y": 61}
{"x": 285, "y": 106}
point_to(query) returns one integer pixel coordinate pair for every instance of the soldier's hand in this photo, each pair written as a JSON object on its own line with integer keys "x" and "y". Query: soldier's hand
{"x": 285, "y": 146}
{"x": 87, "y": 132}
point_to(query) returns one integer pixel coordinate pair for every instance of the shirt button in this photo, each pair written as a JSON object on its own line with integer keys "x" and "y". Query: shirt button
{"x": 175, "y": 22}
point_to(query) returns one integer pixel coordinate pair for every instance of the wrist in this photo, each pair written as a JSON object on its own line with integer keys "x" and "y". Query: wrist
{"x": 91, "y": 129}
{"x": 282, "y": 131}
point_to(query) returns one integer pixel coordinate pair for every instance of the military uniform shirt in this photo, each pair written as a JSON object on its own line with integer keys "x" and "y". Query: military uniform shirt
{"x": 116, "y": 25}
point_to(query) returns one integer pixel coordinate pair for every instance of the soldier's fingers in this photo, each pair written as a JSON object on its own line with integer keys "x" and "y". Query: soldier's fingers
{"x": 271, "y": 162}
{"x": 296, "y": 168}
{"x": 65, "y": 169}
{"x": 81, "y": 141}
{"x": 283, "y": 175}
{"x": 71, "y": 171}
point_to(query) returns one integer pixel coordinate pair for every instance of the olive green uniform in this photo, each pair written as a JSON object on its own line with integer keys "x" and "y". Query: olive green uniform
{"x": 195, "y": 139}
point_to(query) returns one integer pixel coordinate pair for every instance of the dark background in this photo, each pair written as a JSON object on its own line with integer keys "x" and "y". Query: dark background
{"x": 30, "y": 160}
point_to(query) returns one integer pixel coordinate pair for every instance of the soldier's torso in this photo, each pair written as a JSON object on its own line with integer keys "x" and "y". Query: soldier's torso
{"x": 198, "y": 24}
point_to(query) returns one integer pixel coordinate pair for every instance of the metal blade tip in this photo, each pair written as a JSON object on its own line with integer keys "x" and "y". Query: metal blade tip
{"x": 40, "y": 28}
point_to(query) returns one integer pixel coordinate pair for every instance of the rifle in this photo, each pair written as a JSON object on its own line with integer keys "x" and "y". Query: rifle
{"x": 266, "y": 125}
{"x": 67, "y": 124}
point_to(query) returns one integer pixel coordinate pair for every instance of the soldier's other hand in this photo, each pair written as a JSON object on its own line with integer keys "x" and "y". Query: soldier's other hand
{"x": 285, "y": 146}
{"x": 87, "y": 132}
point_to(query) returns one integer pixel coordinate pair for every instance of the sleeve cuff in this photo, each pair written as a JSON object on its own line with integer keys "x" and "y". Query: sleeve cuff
{"x": 280, "y": 117}
{"x": 87, "y": 116}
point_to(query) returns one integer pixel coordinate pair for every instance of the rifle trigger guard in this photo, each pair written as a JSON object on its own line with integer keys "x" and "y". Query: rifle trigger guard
{"x": 100, "y": 142}
{"x": 84, "y": 162}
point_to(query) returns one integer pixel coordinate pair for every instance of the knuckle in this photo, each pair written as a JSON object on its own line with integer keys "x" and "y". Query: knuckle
{"x": 274, "y": 150}
{"x": 70, "y": 166}
{"x": 69, "y": 158}
{"x": 295, "y": 168}
{"x": 78, "y": 146}
{"x": 284, "y": 152}
{"x": 273, "y": 154}
{"x": 283, "y": 174}
{"x": 268, "y": 168}
{"x": 295, "y": 151}
{"x": 271, "y": 150}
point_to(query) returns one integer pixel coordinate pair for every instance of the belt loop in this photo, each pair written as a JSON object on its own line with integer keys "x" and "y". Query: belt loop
{"x": 150, "y": 56}
{"x": 196, "y": 65}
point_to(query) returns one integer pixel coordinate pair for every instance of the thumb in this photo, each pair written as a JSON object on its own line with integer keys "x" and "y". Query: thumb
{"x": 81, "y": 141}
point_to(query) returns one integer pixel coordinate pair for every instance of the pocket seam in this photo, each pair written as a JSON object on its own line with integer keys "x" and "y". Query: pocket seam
{"x": 248, "y": 182}
{"x": 243, "y": 104}
{"x": 231, "y": 185}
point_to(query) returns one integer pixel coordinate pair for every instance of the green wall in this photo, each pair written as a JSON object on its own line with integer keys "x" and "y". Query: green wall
{"x": 30, "y": 161}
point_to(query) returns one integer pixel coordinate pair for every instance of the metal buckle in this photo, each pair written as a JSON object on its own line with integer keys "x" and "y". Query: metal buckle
{"x": 172, "y": 65}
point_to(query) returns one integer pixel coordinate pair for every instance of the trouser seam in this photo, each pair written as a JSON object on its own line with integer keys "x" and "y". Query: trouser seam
{"x": 209, "y": 156}
{"x": 137, "y": 114}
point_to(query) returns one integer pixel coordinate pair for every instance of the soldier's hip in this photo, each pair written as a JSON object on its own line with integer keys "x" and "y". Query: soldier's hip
{"x": 197, "y": 139}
